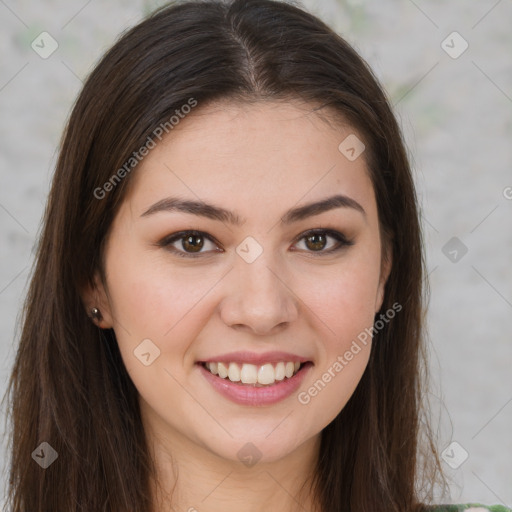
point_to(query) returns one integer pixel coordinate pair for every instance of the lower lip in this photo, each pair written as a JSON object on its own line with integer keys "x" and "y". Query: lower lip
{"x": 246, "y": 394}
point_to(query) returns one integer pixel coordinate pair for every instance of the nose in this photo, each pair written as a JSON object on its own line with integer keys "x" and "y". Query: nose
{"x": 258, "y": 298}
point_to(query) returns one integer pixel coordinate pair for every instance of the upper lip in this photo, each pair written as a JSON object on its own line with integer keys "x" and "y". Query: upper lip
{"x": 241, "y": 357}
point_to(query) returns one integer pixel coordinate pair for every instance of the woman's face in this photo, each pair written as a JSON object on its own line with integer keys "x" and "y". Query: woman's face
{"x": 254, "y": 286}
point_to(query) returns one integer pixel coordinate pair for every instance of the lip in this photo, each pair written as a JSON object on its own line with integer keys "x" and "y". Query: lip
{"x": 256, "y": 396}
{"x": 241, "y": 357}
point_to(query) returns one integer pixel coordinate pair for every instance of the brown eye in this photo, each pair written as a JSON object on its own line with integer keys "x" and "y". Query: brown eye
{"x": 316, "y": 242}
{"x": 323, "y": 241}
{"x": 192, "y": 243}
{"x": 189, "y": 244}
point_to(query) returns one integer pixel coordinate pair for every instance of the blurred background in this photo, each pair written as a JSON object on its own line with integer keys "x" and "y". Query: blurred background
{"x": 447, "y": 69}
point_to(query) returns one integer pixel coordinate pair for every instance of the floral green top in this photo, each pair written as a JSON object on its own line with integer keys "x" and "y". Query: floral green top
{"x": 469, "y": 507}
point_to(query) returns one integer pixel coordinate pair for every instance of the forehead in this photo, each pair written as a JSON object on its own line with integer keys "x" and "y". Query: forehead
{"x": 263, "y": 154}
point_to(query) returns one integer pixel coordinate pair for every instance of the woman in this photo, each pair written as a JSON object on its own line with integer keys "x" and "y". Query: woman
{"x": 226, "y": 310}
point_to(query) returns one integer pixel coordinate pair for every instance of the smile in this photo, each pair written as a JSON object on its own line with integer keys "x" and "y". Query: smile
{"x": 267, "y": 385}
{"x": 263, "y": 375}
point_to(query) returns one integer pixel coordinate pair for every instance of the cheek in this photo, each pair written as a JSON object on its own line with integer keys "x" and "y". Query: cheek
{"x": 344, "y": 298}
{"x": 334, "y": 382}
{"x": 344, "y": 311}
{"x": 151, "y": 299}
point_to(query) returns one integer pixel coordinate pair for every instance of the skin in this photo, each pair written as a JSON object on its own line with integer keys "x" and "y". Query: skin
{"x": 257, "y": 160}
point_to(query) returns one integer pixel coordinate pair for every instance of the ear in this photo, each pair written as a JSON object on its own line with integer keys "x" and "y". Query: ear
{"x": 96, "y": 296}
{"x": 385, "y": 270}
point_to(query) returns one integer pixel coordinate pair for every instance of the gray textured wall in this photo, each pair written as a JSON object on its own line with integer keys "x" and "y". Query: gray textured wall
{"x": 455, "y": 107}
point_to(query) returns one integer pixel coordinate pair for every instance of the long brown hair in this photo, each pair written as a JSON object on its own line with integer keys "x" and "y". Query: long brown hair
{"x": 69, "y": 386}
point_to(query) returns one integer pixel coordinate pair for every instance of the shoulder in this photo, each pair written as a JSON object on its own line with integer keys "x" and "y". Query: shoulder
{"x": 468, "y": 507}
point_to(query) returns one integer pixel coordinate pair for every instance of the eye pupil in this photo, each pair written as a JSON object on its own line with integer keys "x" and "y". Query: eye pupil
{"x": 188, "y": 243}
{"x": 318, "y": 241}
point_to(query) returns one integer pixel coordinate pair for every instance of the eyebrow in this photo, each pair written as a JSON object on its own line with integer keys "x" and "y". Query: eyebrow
{"x": 202, "y": 209}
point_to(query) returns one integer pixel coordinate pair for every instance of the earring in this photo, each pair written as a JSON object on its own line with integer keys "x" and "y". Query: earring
{"x": 96, "y": 314}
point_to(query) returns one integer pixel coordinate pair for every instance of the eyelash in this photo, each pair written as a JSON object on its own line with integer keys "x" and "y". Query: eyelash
{"x": 169, "y": 240}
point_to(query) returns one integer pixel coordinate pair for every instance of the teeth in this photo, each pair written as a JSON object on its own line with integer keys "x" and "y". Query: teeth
{"x": 234, "y": 372}
{"x": 249, "y": 374}
{"x": 266, "y": 374}
{"x": 279, "y": 371}
{"x": 223, "y": 371}
{"x": 263, "y": 375}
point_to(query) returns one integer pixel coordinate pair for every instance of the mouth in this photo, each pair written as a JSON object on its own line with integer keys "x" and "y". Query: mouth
{"x": 247, "y": 374}
{"x": 255, "y": 385}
